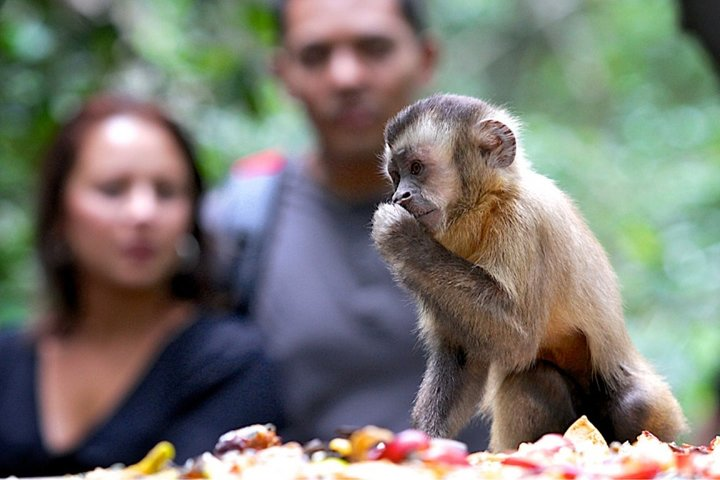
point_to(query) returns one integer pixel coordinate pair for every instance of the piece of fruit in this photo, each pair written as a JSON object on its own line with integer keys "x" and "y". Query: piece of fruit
{"x": 404, "y": 444}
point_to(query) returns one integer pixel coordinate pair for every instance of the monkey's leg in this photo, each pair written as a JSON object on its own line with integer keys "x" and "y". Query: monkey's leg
{"x": 449, "y": 394}
{"x": 529, "y": 404}
{"x": 643, "y": 402}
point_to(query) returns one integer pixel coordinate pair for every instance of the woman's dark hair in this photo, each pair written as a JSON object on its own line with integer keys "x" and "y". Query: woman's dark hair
{"x": 414, "y": 11}
{"x": 54, "y": 256}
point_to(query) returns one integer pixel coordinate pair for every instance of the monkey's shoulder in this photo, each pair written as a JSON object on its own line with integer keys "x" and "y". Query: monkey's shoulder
{"x": 542, "y": 197}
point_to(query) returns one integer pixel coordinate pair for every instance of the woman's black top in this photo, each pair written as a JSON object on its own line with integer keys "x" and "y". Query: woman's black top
{"x": 211, "y": 378}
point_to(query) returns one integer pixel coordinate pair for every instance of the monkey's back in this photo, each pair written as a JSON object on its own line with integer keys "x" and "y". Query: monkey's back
{"x": 572, "y": 283}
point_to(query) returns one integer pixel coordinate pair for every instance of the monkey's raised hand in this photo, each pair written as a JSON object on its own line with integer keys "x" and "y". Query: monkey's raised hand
{"x": 420, "y": 263}
{"x": 396, "y": 232}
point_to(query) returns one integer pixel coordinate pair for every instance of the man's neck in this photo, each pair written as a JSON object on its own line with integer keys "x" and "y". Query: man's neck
{"x": 353, "y": 179}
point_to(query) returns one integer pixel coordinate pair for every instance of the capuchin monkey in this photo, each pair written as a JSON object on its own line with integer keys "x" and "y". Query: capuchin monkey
{"x": 519, "y": 307}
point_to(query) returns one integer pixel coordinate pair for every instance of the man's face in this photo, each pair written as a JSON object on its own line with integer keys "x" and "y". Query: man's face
{"x": 353, "y": 64}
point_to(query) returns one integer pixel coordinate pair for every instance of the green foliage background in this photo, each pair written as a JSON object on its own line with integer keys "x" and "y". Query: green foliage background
{"x": 620, "y": 107}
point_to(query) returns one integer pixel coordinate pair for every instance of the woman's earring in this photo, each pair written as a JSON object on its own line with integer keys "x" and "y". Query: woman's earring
{"x": 188, "y": 252}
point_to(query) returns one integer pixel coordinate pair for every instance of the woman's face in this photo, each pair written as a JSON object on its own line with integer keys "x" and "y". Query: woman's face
{"x": 127, "y": 204}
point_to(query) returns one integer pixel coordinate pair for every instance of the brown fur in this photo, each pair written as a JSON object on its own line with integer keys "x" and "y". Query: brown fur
{"x": 519, "y": 306}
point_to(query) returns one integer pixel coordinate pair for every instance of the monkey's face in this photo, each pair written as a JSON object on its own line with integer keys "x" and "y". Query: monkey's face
{"x": 424, "y": 180}
{"x": 442, "y": 152}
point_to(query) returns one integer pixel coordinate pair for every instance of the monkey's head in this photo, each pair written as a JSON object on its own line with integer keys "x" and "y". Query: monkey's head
{"x": 443, "y": 152}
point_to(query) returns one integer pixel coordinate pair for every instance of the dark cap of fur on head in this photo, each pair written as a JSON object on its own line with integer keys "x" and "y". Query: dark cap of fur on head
{"x": 450, "y": 108}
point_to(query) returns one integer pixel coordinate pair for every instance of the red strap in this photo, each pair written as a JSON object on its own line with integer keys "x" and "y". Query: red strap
{"x": 266, "y": 162}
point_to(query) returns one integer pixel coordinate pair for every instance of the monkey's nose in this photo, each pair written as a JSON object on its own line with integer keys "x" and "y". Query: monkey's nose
{"x": 401, "y": 197}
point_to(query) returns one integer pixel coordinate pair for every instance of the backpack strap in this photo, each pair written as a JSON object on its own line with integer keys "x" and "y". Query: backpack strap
{"x": 237, "y": 216}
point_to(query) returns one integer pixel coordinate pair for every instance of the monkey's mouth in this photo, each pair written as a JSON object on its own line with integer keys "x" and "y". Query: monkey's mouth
{"x": 419, "y": 215}
{"x": 428, "y": 217}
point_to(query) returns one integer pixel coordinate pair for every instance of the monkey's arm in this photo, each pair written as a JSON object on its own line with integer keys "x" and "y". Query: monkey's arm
{"x": 464, "y": 312}
{"x": 450, "y": 391}
{"x": 455, "y": 290}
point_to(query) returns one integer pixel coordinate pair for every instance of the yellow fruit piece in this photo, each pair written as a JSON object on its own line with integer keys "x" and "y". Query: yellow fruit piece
{"x": 155, "y": 460}
{"x": 366, "y": 438}
{"x": 341, "y": 446}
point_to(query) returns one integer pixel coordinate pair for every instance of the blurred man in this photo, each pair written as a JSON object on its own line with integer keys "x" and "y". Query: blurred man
{"x": 341, "y": 330}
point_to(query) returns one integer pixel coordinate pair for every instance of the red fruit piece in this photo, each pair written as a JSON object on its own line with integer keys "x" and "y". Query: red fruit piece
{"x": 522, "y": 462}
{"x": 404, "y": 444}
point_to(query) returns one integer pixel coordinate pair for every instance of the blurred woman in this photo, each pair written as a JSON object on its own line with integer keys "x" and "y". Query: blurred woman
{"x": 127, "y": 353}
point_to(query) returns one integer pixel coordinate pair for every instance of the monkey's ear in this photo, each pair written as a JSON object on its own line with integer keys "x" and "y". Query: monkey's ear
{"x": 497, "y": 142}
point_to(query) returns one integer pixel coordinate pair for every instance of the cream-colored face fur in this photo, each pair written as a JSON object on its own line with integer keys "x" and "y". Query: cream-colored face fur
{"x": 434, "y": 140}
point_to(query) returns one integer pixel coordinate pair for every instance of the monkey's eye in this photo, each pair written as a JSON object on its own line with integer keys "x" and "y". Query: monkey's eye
{"x": 416, "y": 168}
